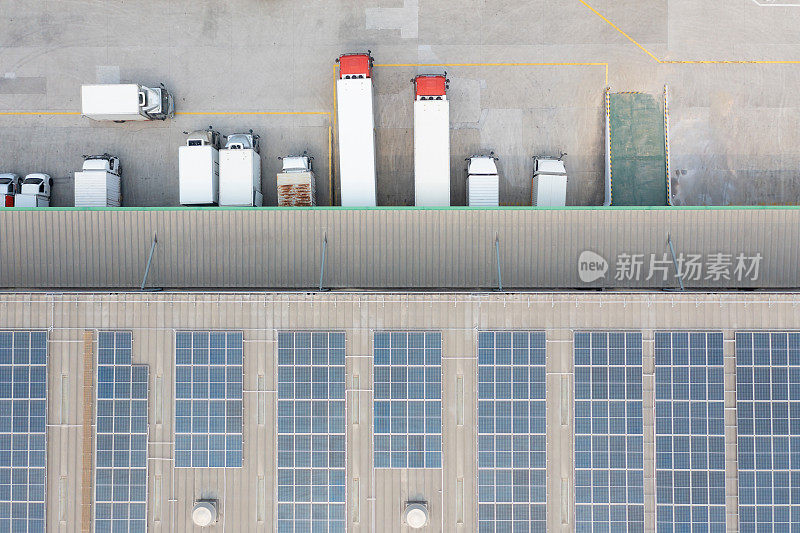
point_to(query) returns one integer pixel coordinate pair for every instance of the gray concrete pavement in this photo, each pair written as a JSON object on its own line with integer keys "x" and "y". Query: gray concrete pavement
{"x": 734, "y": 134}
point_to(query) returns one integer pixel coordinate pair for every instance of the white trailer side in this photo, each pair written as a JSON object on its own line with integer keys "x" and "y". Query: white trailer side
{"x": 240, "y": 178}
{"x": 97, "y": 188}
{"x": 112, "y": 102}
{"x": 356, "y": 142}
{"x": 432, "y": 153}
{"x": 198, "y": 175}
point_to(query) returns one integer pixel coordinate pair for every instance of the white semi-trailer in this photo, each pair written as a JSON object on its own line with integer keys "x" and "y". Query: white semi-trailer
{"x": 121, "y": 102}
{"x": 296, "y": 184}
{"x": 431, "y": 141}
{"x": 9, "y": 184}
{"x": 35, "y": 191}
{"x": 549, "y": 185}
{"x": 98, "y": 184}
{"x": 240, "y": 171}
{"x": 483, "y": 182}
{"x": 198, "y": 168}
{"x": 356, "y": 131}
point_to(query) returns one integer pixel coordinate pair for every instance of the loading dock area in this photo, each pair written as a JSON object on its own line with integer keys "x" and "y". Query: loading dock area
{"x": 733, "y": 107}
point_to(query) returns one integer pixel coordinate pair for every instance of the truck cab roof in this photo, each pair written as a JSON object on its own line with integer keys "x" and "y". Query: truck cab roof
{"x": 203, "y": 138}
{"x": 242, "y": 141}
{"x": 297, "y": 163}
{"x": 430, "y": 87}
{"x": 547, "y": 165}
{"x": 481, "y": 166}
{"x": 355, "y": 66}
{"x": 37, "y": 183}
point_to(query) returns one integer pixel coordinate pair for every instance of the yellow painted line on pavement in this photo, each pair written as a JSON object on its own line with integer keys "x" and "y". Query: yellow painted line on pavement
{"x": 690, "y": 61}
{"x": 252, "y": 112}
{"x": 631, "y": 39}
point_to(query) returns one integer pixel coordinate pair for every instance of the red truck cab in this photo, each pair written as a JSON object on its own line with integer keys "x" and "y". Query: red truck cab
{"x": 430, "y": 87}
{"x": 355, "y": 66}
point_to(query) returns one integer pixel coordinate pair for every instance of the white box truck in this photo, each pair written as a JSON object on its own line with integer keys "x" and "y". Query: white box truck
{"x": 431, "y": 141}
{"x": 198, "y": 168}
{"x": 121, "y": 102}
{"x": 98, "y": 184}
{"x": 9, "y": 184}
{"x": 296, "y": 184}
{"x": 356, "y": 121}
{"x": 240, "y": 171}
{"x": 483, "y": 182}
{"x": 35, "y": 191}
{"x": 549, "y": 185}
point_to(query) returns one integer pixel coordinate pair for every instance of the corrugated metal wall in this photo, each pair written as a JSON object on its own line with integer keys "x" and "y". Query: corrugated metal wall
{"x": 379, "y": 248}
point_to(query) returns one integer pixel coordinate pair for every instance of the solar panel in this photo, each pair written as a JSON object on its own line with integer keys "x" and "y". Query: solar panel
{"x": 768, "y": 412}
{"x": 121, "y": 437}
{"x": 512, "y": 455}
{"x": 408, "y": 399}
{"x": 311, "y": 431}
{"x": 690, "y": 431}
{"x": 208, "y": 399}
{"x": 609, "y": 472}
{"x": 23, "y": 413}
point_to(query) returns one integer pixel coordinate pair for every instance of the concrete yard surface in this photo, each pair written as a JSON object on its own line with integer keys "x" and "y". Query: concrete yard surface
{"x": 525, "y": 79}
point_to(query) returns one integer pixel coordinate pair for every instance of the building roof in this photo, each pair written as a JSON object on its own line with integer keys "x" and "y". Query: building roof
{"x": 454, "y": 248}
{"x": 247, "y": 495}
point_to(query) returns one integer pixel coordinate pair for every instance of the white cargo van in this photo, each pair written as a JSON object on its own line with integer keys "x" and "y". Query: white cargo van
{"x": 121, "y": 102}
{"x": 198, "y": 168}
{"x": 483, "y": 182}
{"x": 296, "y": 183}
{"x": 35, "y": 191}
{"x": 240, "y": 171}
{"x": 9, "y": 185}
{"x": 549, "y": 185}
{"x": 98, "y": 184}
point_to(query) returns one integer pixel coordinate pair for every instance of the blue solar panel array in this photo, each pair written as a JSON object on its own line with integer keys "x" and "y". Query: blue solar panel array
{"x": 690, "y": 432}
{"x": 768, "y": 411}
{"x": 609, "y": 470}
{"x": 311, "y": 432}
{"x": 408, "y": 399}
{"x": 512, "y": 455}
{"x": 208, "y": 399}
{"x": 121, "y": 456}
{"x": 23, "y": 424}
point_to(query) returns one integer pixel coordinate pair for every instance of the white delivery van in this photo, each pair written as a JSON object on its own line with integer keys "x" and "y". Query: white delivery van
{"x": 121, "y": 102}
{"x": 296, "y": 184}
{"x": 9, "y": 186}
{"x": 483, "y": 182}
{"x": 198, "y": 168}
{"x": 35, "y": 191}
{"x": 98, "y": 183}
{"x": 240, "y": 171}
{"x": 549, "y": 185}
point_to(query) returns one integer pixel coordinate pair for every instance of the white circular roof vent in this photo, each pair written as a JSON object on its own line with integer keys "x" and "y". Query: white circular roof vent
{"x": 204, "y": 513}
{"x": 416, "y": 515}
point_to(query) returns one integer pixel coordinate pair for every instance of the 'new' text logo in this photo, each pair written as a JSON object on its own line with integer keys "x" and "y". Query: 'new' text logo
{"x": 591, "y": 266}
